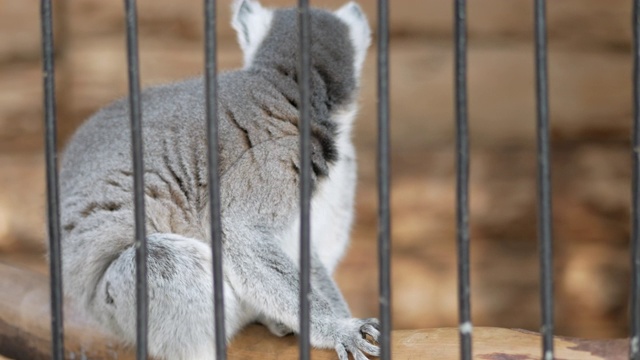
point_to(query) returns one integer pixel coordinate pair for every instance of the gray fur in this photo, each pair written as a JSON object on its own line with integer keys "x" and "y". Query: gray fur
{"x": 333, "y": 81}
{"x": 259, "y": 162}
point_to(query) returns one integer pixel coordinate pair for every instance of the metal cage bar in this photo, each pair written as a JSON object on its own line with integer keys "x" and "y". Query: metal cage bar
{"x": 211, "y": 93}
{"x": 142, "y": 306}
{"x": 544, "y": 181}
{"x": 384, "y": 180}
{"x": 634, "y": 346}
{"x": 304, "y": 28}
{"x": 462, "y": 179}
{"x": 53, "y": 197}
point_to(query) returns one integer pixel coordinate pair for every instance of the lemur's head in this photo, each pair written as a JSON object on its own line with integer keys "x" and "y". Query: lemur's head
{"x": 343, "y": 35}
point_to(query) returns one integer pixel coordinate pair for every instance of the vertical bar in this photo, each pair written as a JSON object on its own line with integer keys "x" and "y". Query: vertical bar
{"x": 304, "y": 27}
{"x": 384, "y": 180}
{"x": 634, "y": 346}
{"x": 211, "y": 93}
{"x": 462, "y": 176}
{"x": 544, "y": 181}
{"x": 53, "y": 203}
{"x": 142, "y": 306}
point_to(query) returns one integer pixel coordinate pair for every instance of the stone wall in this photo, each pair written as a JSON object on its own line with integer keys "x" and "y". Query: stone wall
{"x": 590, "y": 86}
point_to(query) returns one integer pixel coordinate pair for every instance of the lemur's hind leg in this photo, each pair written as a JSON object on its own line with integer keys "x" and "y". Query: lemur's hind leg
{"x": 277, "y": 328}
{"x": 181, "y": 322}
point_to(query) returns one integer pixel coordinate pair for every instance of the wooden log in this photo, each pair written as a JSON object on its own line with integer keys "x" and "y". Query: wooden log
{"x": 25, "y": 321}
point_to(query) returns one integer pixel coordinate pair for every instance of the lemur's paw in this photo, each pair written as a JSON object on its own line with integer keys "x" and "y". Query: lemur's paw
{"x": 277, "y": 328}
{"x": 352, "y": 338}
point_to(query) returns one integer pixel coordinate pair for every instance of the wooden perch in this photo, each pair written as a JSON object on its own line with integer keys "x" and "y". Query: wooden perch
{"x": 25, "y": 334}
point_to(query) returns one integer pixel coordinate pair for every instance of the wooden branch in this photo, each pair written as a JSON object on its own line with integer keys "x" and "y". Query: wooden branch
{"x": 25, "y": 334}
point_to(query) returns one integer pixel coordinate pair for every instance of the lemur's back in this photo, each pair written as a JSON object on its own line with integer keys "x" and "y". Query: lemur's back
{"x": 175, "y": 148}
{"x": 258, "y": 113}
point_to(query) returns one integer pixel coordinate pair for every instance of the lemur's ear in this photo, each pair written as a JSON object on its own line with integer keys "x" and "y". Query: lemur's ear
{"x": 359, "y": 30}
{"x": 251, "y": 21}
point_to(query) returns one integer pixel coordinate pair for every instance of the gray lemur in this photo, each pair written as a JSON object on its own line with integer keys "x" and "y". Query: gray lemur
{"x": 259, "y": 172}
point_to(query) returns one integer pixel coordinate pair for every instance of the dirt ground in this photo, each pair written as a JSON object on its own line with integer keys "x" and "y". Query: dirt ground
{"x": 590, "y": 87}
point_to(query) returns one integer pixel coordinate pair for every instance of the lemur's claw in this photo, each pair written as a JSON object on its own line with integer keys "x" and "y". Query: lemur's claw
{"x": 354, "y": 339}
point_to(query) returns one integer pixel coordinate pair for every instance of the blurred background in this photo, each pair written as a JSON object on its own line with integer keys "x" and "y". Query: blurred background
{"x": 590, "y": 92}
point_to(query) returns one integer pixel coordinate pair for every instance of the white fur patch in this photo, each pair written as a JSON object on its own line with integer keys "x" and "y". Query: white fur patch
{"x": 331, "y": 205}
{"x": 251, "y": 22}
{"x": 359, "y": 31}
